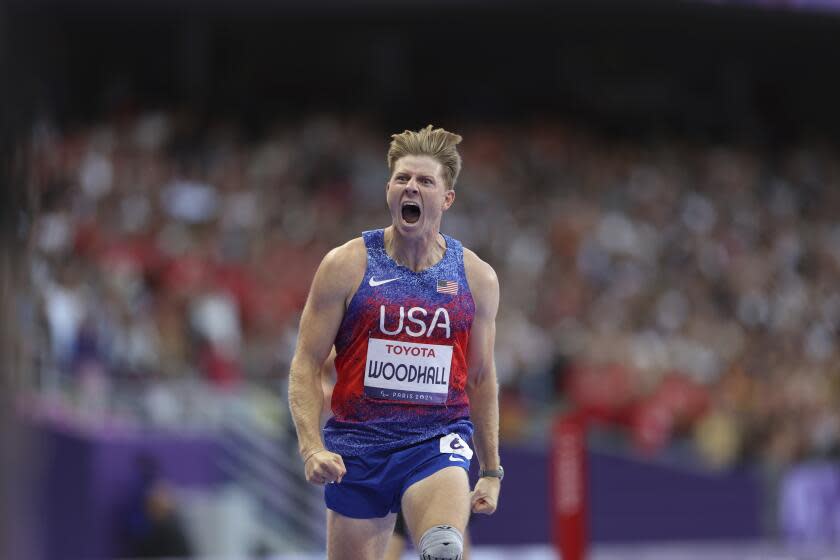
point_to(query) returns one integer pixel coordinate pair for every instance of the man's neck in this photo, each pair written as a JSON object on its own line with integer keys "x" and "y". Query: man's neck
{"x": 416, "y": 254}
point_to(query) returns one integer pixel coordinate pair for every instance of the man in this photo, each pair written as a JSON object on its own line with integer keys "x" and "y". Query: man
{"x": 412, "y": 316}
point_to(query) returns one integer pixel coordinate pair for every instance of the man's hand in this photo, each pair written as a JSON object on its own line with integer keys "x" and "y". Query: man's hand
{"x": 324, "y": 467}
{"x": 485, "y": 497}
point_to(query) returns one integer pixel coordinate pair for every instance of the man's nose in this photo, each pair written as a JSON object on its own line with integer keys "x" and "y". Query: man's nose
{"x": 412, "y": 186}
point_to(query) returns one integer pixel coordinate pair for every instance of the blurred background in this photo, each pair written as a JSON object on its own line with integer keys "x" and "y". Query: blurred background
{"x": 657, "y": 185}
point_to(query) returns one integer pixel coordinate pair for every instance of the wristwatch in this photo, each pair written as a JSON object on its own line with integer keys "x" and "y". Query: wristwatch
{"x": 493, "y": 473}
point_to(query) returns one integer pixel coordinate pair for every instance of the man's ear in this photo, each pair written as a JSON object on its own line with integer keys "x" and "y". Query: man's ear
{"x": 449, "y": 199}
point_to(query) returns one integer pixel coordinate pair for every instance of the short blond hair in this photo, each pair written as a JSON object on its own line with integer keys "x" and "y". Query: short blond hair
{"x": 436, "y": 143}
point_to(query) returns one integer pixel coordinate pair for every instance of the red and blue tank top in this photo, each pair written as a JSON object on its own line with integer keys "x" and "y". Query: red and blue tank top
{"x": 401, "y": 354}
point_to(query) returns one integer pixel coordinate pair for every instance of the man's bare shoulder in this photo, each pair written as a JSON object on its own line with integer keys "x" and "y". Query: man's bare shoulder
{"x": 348, "y": 258}
{"x": 484, "y": 284}
{"x": 350, "y": 254}
{"x": 479, "y": 271}
{"x": 344, "y": 266}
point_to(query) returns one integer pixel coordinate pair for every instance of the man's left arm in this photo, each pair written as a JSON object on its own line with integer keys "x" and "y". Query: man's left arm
{"x": 482, "y": 385}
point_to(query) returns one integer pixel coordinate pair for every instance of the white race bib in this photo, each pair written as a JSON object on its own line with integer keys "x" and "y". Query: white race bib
{"x": 408, "y": 371}
{"x": 453, "y": 443}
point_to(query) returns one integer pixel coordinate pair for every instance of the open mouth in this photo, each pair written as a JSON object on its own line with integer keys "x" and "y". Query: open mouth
{"x": 410, "y": 212}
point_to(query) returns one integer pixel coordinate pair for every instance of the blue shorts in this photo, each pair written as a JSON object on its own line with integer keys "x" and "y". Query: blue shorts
{"x": 375, "y": 483}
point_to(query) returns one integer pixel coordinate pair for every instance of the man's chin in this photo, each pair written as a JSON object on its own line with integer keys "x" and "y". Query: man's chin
{"x": 408, "y": 229}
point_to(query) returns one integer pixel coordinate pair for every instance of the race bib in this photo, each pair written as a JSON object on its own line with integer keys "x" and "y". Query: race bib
{"x": 453, "y": 443}
{"x": 408, "y": 371}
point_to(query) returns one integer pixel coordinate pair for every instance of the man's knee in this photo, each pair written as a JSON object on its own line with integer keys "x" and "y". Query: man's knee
{"x": 441, "y": 542}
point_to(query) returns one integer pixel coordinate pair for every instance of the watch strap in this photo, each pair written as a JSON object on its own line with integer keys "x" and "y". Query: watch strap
{"x": 494, "y": 473}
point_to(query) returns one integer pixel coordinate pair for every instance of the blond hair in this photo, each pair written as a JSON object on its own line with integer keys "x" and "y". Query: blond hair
{"x": 436, "y": 143}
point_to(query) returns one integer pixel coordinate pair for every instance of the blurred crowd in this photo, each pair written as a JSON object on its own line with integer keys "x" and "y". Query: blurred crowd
{"x": 688, "y": 290}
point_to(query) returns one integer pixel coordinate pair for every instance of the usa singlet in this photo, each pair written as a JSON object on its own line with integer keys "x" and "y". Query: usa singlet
{"x": 401, "y": 354}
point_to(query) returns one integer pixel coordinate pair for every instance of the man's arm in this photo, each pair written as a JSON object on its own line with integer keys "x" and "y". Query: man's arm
{"x": 482, "y": 385}
{"x": 319, "y": 323}
{"x": 328, "y": 379}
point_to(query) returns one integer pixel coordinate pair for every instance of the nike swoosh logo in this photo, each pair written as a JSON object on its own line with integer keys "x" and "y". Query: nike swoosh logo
{"x": 457, "y": 458}
{"x": 374, "y": 283}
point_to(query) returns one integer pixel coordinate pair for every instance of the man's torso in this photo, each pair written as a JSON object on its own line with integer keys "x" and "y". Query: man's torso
{"x": 402, "y": 354}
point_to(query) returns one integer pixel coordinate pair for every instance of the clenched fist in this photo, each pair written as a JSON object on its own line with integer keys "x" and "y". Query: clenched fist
{"x": 485, "y": 496}
{"x": 324, "y": 467}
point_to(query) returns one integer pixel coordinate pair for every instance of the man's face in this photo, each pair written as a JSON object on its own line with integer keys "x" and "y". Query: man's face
{"x": 417, "y": 195}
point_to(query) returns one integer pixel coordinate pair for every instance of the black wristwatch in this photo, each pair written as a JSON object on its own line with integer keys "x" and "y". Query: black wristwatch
{"x": 494, "y": 473}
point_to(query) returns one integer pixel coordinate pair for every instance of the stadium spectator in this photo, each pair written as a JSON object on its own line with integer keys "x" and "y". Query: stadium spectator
{"x": 636, "y": 262}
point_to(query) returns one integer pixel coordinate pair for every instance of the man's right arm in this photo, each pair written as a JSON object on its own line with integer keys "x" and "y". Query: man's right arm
{"x": 319, "y": 324}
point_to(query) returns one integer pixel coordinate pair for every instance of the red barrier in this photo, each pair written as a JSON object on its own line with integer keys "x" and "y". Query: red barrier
{"x": 569, "y": 487}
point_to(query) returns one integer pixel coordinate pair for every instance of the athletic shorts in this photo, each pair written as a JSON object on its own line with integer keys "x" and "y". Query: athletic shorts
{"x": 375, "y": 483}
